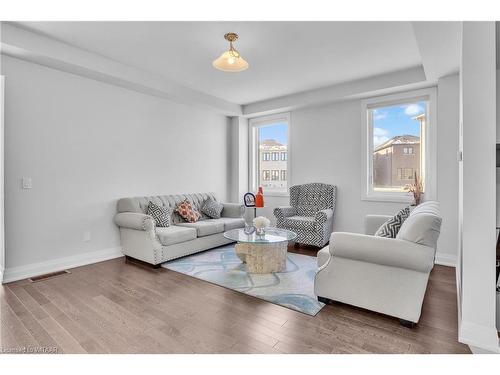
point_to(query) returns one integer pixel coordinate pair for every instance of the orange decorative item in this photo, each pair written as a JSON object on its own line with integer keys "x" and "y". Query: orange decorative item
{"x": 259, "y": 198}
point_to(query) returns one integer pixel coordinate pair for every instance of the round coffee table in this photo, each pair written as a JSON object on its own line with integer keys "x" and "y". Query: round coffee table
{"x": 262, "y": 254}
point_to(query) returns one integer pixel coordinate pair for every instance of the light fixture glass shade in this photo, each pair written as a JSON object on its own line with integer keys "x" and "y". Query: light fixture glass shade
{"x": 230, "y": 61}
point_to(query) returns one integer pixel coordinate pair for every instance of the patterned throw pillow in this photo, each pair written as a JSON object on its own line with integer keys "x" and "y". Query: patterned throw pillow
{"x": 187, "y": 212}
{"x": 161, "y": 215}
{"x": 212, "y": 208}
{"x": 391, "y": 227}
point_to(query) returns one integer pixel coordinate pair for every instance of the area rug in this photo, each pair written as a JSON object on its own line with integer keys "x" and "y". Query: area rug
{"x": 292, "y": 288}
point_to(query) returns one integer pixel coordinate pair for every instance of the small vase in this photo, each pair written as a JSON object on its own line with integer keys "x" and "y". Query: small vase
{"x": 259, "y": 198}
{"x": 260, "y": 231}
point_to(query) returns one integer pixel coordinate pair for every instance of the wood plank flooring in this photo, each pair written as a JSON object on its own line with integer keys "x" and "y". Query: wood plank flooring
{"x": 118, "y": 307}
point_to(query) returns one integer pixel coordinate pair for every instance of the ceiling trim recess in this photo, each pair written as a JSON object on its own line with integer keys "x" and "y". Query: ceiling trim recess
{"x": 439, "y": 47}
{"x": 30, "y": 46}
{"x": 33, "y": 47}
{"x": 406, "y": 79}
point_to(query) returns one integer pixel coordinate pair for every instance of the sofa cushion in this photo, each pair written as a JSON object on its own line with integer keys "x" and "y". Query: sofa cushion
{"x": 392, "y": 226}
{"x": 212, "y": 208}
{"x": 186, "y": 210}
{"x": 232, "y": 223}
{"x": 300, "y": 222}
{"x": 205, "y": 227}
{"x": 140, "y": 204}
{"x": 423, "y": 225}
{"x": 175, "y": 234}
{"x": 161, "y": 215}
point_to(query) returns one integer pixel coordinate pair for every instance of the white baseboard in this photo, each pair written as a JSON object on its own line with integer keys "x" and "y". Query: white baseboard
{"x": 36, "y": 269}
{"x": 481, "y": 339}
{"x": 444, "y": 259}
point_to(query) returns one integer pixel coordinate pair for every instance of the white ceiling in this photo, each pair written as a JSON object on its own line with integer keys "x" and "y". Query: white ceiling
{"x": 284, "y": 57}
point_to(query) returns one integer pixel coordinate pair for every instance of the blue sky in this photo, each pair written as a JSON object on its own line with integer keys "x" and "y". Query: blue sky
{"x": 276, "y": 131}
{"x": 396, "y": 120}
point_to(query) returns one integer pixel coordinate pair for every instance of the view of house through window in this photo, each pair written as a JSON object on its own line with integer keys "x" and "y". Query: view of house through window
{"x": 272, "y": 156}
{"x": 398, "y": 145}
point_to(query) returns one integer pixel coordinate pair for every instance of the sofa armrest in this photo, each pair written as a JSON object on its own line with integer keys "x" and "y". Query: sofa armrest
{"x": 233, "y": 210}
{"x": 373, "y": 222}
{"x": 381, "y": 250}
{"x": 323, "y": 216}
{"x": 133, "y": 220}
{"x": 285, "y": 211}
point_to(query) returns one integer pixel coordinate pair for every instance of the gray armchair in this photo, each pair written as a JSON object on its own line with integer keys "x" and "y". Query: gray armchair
{"x": 310, "y": 213}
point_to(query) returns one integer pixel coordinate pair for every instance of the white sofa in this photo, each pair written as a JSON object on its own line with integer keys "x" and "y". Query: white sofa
{"x": 386, "y": 275}
{"x": 142, "y": 240}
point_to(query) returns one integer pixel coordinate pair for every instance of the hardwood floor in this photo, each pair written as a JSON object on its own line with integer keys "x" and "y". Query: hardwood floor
{"x": 118, "y": 307}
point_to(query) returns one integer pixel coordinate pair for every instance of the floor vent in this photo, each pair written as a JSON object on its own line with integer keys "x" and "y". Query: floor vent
{"x": 48, "y": 276}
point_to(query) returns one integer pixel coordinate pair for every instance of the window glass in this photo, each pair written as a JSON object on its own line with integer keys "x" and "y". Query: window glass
{"x": 397, "y": 136}
{"x": 272, "y": 147}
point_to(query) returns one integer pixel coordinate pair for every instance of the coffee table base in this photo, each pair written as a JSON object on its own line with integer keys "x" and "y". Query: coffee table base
{"x": 263, "y": 258}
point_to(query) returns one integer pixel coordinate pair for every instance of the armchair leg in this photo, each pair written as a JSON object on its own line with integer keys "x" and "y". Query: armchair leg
{"x": 407, "y": 323}
{"x": 323, "y": 300}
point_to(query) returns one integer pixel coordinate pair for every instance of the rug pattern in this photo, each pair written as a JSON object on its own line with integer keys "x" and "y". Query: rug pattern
{"x": 292, "y": 288}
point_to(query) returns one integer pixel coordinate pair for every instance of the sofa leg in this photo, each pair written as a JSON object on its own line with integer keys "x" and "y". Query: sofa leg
{"x": 324, "y": 300}
{"x": 407, "y": 323}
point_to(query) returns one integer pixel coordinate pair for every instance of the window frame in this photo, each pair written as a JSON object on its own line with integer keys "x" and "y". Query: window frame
{"x": 430, "y": 142}
{"x": 253, "y": 151}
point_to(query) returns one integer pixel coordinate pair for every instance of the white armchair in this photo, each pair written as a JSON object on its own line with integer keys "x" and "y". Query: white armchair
{"x": 386, "y": 275}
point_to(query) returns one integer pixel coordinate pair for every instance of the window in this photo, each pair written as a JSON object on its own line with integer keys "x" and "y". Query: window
{"x": 398, "y": 134}
{"x": 408, "y": 150}
{"x": 405, "y": 174}
{"x": 269, "y": 136}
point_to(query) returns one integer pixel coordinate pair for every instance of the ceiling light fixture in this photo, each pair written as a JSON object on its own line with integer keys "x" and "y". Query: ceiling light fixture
{"x": 230, "y": 61}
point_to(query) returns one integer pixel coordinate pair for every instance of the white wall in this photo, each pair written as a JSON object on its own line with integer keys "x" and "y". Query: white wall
{"x": 326, "y": 147}
{"x": 477, "y": 207}
{"x": 85, "y": 144}
{"x": 447, "y": 166}
{"x": 498, "y": 141}
{"x": 238, "y": 143}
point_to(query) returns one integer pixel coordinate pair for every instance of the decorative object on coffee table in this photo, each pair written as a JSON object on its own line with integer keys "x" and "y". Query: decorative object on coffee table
{"x": 249, "y": 200}
{"x": 259, "y": 198}
{"x": 262, "y": 253}
{"x": 249, "y": 229}
{"x": 261, "y": 223}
